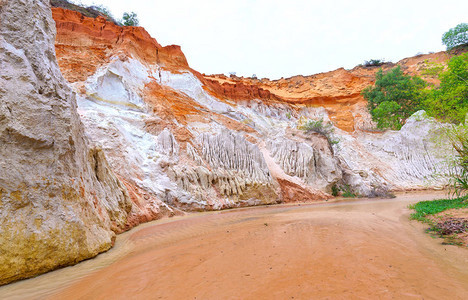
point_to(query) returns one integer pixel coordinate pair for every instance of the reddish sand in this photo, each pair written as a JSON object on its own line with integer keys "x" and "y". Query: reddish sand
{"x": 365, "y": 249}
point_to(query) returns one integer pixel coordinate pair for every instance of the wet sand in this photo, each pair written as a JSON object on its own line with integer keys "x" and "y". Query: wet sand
{"x": 358, "y": 249}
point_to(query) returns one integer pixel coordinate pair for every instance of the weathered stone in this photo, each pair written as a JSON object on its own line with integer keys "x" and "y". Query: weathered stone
{"x": 59, "y": 201}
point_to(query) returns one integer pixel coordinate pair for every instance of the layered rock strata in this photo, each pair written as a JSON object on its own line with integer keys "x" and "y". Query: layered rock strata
{"x": 131, "y": 101}
{"x": 175, "y": 140}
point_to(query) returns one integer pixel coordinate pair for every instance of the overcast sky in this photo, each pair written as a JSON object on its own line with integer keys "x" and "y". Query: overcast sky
{"x": 273, "y": 38}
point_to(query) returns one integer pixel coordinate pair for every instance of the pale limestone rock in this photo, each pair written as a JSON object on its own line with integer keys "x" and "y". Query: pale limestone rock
{"x": 231, "y": 151}
{"x": 232, "y": 173}
{"x": 411, "y": 158}
{"x": 361, "y": 160}
{"x": 166, "y": 143}
{"x": 59, "y": 201}
{"x": 316, "y": 166}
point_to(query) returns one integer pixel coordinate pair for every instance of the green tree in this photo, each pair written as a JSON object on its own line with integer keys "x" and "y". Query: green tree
{"x": 130, "y": 19}
{"x": 393, "y": 98}
{"x": 456, "y": 36}
{"x": 449, "y": 102}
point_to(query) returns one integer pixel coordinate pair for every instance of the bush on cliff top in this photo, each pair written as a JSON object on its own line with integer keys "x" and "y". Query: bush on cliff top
{"x": 94, "y": 11}
{"x": 373, "y": 62}
{"x": 456, "y": 36}
{"x": 130, "y": 19}
{"x": 394, "y": 97}
{"x": 90, "y": 11}
{"x": 449, "y": 101}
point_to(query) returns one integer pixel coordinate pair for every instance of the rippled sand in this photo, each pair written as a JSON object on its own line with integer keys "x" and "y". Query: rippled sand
{"x": 352, "y": 249}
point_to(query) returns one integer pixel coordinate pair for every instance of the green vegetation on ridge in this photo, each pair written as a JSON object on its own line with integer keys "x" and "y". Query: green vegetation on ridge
{"x": 456, "y": 36}
{"x": 94, "y": 11}
{"x": 318, "y": 126}
{"x": 394, "y": 97}
{"x": 130, "y": 19}
{"x": 449, "y": 101}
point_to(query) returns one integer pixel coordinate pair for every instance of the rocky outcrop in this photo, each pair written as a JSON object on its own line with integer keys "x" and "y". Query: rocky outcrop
{"x": 412, "y": 158}
{"x": 59, "y": 200}
{"x": 228, "y": 172}
{"x": 175, "y": 140}
{"x": 84, "y": 44}
{"x": 179, "y": 139}
{"x": 338, "y": 91}
{"x": 315, "y": 165}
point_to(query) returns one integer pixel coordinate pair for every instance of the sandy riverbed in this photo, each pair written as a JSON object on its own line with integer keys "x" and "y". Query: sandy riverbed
{"x": 359, "y": 249}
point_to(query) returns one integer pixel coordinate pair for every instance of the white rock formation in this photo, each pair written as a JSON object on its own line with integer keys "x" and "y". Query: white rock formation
{"x": 59, "y": 201}
{"x": 316, "y": 166}
{"x": 218, "y": 166}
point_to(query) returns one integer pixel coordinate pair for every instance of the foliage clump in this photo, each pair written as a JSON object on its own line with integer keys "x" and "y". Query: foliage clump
{"x": 347, "y": 193}
{"x": 320, "y": 127}
{"x": 344, "y": 190}
{"x": 449, "y": 102}
{"x": 432, "y": 69}
{"x": 394, "y": 97}
{"x": 373, "y": 62}
{"x": 130, "y": 19}
{"x": 456, "y": 36}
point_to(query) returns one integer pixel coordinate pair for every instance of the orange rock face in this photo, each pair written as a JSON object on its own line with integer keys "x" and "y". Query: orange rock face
{"x": 339, "y": 91}
{"x": 83, "y": 44}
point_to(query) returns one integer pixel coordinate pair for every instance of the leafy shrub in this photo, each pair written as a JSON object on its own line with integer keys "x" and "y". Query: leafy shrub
{"x": 320, "y": 127}
{"x": 449, "y": 102}
{"x": 456, "y": 36}
{"x": 432, "y": 69}
{"x": 373, "y": 63}
{"x": 393, "y": 98}
{"x": 335, "y": 190}
{"x": 130, "y": 19}
{"x": 347, "y": 192}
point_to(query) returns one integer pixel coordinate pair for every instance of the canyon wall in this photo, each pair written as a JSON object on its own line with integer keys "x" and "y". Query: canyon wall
{"x": 59, "y": 200}
{"x": 190, "y": 141}
{"x": 136, "y": 134}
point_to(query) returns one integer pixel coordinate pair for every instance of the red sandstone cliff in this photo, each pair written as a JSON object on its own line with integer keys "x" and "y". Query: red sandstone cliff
{"x": 338, "y": 91}
{"x": 83, "y": 44}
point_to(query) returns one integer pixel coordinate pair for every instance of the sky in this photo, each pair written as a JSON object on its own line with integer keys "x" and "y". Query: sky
{"x": 274, "y": 39}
